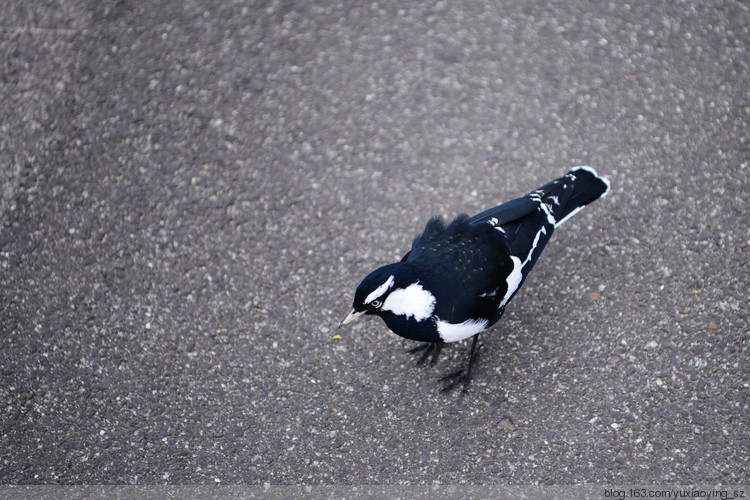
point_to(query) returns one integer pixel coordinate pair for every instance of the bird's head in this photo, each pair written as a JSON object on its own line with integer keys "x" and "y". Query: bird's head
{"x": 396, "y": 289}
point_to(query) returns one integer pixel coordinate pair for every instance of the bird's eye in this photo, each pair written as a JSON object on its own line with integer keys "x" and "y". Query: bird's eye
{"x": 376, "y": 303}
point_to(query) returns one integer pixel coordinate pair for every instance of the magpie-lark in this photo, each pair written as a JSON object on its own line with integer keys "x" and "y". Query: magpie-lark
{"x": 457, "y": 279}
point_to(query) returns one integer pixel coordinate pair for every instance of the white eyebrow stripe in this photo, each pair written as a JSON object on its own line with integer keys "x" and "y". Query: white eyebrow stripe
{"x": 379, "y": 291}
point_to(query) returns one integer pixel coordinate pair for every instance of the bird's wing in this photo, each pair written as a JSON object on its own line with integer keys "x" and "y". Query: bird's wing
{"x": 468, "y": 263}
{"x": 564, "y": 197}
{"x": 545, "y": 209}
{"x": 555, "y": 193}
{"x": 526, "y": 225}
{"x": 508, "y": 211}
{"x": 480, "y": 262}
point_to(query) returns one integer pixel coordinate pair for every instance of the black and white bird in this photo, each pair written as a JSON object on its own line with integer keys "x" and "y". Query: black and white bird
{"x": 458, "y": 278}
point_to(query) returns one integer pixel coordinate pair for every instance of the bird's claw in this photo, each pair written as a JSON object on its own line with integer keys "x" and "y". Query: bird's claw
{"x": 462, "y": 373}
{"x": 427, "y": 348}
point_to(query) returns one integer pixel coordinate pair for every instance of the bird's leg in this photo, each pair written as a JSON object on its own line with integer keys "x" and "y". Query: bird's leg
{"x": 428, "y": 347}
{"x": 463, "y": 373}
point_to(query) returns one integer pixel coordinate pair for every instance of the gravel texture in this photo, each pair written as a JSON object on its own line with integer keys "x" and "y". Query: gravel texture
{"x": 192, "y": 190}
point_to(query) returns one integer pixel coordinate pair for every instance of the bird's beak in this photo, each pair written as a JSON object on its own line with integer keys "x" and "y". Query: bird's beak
{"x": 351, "y": 317}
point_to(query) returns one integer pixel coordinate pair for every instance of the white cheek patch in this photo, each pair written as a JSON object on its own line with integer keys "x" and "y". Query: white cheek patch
{"x": 379, "y": 291}
{"x": 453, "y": 332}
{"x": 410, "y": 301}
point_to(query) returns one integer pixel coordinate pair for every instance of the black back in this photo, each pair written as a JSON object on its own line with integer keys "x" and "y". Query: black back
{"x": 468, "y": 265}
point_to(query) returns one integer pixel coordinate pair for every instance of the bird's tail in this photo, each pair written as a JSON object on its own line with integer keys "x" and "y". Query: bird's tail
{"x": 573, "y": 191}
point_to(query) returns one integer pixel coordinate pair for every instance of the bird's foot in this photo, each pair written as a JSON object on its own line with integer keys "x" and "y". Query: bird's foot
{"x": 427, "y": 348}
{"x": 463, "y": 372}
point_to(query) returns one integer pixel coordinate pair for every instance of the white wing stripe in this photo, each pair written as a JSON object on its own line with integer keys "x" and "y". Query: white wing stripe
{"x": 515, "y": 276}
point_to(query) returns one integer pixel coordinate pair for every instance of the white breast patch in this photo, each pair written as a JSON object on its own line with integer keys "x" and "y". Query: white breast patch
{"x": 453, "y": 332}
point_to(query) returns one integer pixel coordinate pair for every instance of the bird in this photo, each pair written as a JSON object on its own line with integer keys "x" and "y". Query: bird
{"x": 458, "y": 278}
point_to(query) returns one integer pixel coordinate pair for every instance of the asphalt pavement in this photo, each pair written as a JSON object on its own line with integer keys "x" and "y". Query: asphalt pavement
{"x": 192, "y": 191}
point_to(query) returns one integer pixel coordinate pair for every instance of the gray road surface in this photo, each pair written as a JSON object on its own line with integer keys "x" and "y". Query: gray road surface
{"x": 192, "y": 190}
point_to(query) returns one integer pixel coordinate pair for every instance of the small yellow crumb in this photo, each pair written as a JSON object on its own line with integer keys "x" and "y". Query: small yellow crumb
{"x": 336, "y": 337}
